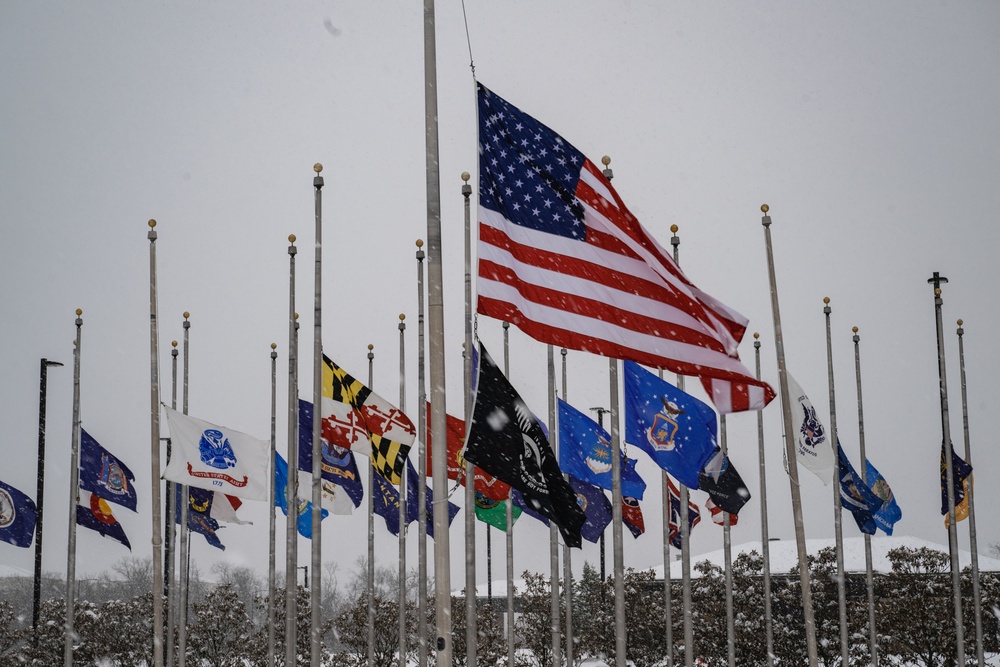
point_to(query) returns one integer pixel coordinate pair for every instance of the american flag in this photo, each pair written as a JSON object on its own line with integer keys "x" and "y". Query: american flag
{"x": 562, "y": 258}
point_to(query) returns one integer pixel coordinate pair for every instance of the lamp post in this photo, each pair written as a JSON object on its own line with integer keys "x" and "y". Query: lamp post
{"x": 39, "y": 494}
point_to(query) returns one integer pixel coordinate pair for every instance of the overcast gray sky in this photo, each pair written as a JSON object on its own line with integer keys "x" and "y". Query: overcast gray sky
{"x": 870, "y": 129}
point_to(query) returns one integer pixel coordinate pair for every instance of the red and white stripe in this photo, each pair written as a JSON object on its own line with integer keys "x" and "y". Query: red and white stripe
{"x": 618, "y": 294}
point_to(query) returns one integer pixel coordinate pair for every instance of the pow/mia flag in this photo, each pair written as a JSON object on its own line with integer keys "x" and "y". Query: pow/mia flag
{"x": 506, "y": 441}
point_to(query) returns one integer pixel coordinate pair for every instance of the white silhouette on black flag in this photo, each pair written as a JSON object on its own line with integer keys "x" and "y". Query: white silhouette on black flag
{"x": 506, "y": 441}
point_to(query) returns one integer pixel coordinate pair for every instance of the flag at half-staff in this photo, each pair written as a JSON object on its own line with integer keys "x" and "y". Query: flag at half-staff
{"x": 103, "y": 479}
{"x": 674, "y": 522}
{"x": 727, "y": 493}
{"x": 962, "y": 477}
{"x": 340, "y": 479}
{"x": 596, "y": 508}
{"x": 217, "y": 458}
{"x": 632, "y": 516}
{"x": 812, "y": 449}
{"x": 563, "y": 259}
{"x": 486, "y": 484}
{"x": 18, "y": 516}
{"x": 356, "y": 418}
{"x": 413, "y": 501}
{"x": 585, "y": 453}
{"x": 200, "y": 519}
{"x": 855, "y": 496}
{"x": 890, "y": 512}
{"x": 303, "y": 510}
{"x": 506, "y": 441}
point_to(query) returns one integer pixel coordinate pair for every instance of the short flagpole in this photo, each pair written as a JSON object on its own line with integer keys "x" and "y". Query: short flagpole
{"x": 422, "y": 462}
{"x": 764, "y": 537}
{"x": 727, "y": 548}
{"x": 471, "y": 644}
{"x": 40, "y": 494}
{"x": 170, "y": 554}
{"x": 553, "y": 531}
{"x": 510, "y": 523}
{"x": 292, "y": 452}
{"x": 567, "y": 562}
{"x": 937, "y": 280}
{"x": 74, "y": 502}
{"x": 793, "y": 472}
{"x": 869, "y": 582}
{"x": 315, "y": 591}
{"x": 154, "y": 418}
{"x": 371, "y": 530}
{"x": 402, "y": 502}
{"x": 621, "y": 639}
{"x": 270, "y": 509}
{"x": 185, "y": 538}
{"x": 837, "y": 525}
{"x": 973, "y": 545}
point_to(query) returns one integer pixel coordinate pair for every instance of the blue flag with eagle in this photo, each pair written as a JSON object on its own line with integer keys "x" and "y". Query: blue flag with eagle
{"x": 103, "y": 479}
{"x": 585, "y": 453}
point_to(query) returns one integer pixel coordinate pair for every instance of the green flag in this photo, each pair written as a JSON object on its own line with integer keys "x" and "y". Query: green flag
{"x": 494, "y": 512}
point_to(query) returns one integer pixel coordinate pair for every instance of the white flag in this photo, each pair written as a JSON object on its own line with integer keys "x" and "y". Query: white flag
{"x": 335, "y": 498}
{"x": 208, "y": 456}
{"x": 812, "y": 446}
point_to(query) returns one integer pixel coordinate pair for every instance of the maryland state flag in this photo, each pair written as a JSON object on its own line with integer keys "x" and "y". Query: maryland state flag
{"x": 356, "y": 418}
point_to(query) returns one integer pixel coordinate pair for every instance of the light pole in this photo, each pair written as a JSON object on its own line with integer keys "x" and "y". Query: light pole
{"x": 39, "y": 494}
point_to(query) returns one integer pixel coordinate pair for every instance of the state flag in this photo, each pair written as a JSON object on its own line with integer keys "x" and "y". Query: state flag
{"x": 18, "y": 515}
{"x": 890, "y": 511}
{"x": 596, "y": 507}
{"x": 632, "y": 516}
{"x": 303, "y": 508}
{"x": 343, "y": 490}
{"x": 855, "y": 496}
{"x": 104, "y": 475}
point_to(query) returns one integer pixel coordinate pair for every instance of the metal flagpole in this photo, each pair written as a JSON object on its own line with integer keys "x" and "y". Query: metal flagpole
{"x": 74, "y": 501}
{"x": 40, "y": 495}
{"x": 154, "y": 419}
{"x": 727, "y": 548}
{"x": 471, "y": 645}
{"x": 838, "y": 529}
{"x": 567, "y": 562}
{"x": 869, "y": 582}
{"x": 973, "y": 545}
{"x": 315, "y": 592}
{"x": 292, "y": 453}
{"x": 600, "y": 422}
{"x": 170, "y": 552}
{"x": 270, "y": 509}
{"x": 435, "y": 311}
{"x": 510, "y": 523}
{"x": 937, "y": 280}
{"x": 185, "y": 547}
{"x": 616, "y": 495}
{"x": 553, "y": 531}
{"x": 402, "y": 503}
{"x": 793, "y": 472}
{"x": 371, "y": 531}
{"x": 422, "y": 476}
{"x": 764, "y": 538}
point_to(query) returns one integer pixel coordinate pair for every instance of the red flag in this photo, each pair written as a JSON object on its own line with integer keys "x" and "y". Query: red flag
{"x": 486, "y": 484}
{"x": 632, "y": 516}
{"x": 561, "y": 257}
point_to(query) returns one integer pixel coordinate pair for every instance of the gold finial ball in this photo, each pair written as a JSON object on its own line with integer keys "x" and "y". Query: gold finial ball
{"x": 960, "y": 323}
{"x": 466, "y": 176}
{"x": 673, "y": 229}
{"x": 151, "y": 223}
{"x": 370, "y": 347}
{"x": 854, "y": 329}
{"x": 764, "y": 208}
{"x": 402, "y": 317}
{"x": 826, "y": 300}
{"x": 173, "y": 343}
{"x": 79, "y": 312}
{"x": 291, "y": 238}
{"x": 317, "y": 167}
{"x": 937, "y": 291}
{"x": 756, "y": 335}
{"x": 274, "y": 346}
{"x": 296, "y": 316}
{"x": 606, "y": 160}
{"x": 420, "y": 243}
{"x": 186, "y": 314}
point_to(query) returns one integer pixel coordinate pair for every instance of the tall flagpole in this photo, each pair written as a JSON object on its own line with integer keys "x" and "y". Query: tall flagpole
{"x": 553, "y": 531}
{"x": 422, "y": 476}
{"x": 621, "y": 640}
{"x": 973, "y": 545}
{"x": 40, "y": 493}
{"x": 74, "y": 502}
{"x": 170, "y": 555}
{"x": 270, "y": 509}
{"x": 315, "y": 591}
{"x": 869, "y": 580}
{"x": 567, "y": 563}
{"x": 292, "y": 453}
{"x": 471, "y": 644}
{"x": 937, "y": 280}
{"x": 845, "y": 655}
{"x": 764, "y": 537}
{"x": 793, "y": 471}
{"x": 402, "y": 502}
{"x": 510, "y": 523}
{"x": 727, "y": 548}
{"x": 154, "y": 445}
{"x": 371, "y": 530}
{"x": 185, "y": 547}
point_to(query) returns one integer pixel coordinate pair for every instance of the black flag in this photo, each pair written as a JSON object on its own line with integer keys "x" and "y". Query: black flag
{"x": 506, "y": 441}
{"x": 724, "y": 486}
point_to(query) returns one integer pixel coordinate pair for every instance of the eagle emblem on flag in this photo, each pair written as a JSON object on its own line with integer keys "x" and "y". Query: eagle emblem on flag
{"x": 112, "y": 477}
{"x": 664, "y": 429}
{"x": 215, "y": 450}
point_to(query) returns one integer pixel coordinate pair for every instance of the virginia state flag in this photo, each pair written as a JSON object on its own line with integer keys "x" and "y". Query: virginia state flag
{"x": 303, "y": 508}
{"x": 17, "y": 517}
{"x": 585, "y": 453}
{"x": 677, "y": 430}
{"x": 890, "y": 512}
{"x": 338, "y": 467}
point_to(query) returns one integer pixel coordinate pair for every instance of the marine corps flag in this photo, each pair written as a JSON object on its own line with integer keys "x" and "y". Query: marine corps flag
{"x": 488, "y": 485}
{"x": 506, "y": 441}
{"x": 356, "y": 418}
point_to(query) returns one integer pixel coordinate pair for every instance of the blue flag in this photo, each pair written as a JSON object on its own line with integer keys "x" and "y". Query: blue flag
{"x": 675, "y": 535}
{"x": 677, "y": 430}
{"x": 304, "y": 509}
{"x": 104, "y": 475}
{"x": 596, "y": 507}
{"x": 413, "y": 500}
{"x": 199, "y": 514}
{"x": 890, "y": 512}
{"x": 338, "y": 467}
{"x": 856, "y": 496}
{"x": 385, "y": 503}
{"x": 519, "y": 502}
{"x": 960, "y": 472}
{"x": 585, "y": 453}
{"x": 17, "y": 517}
